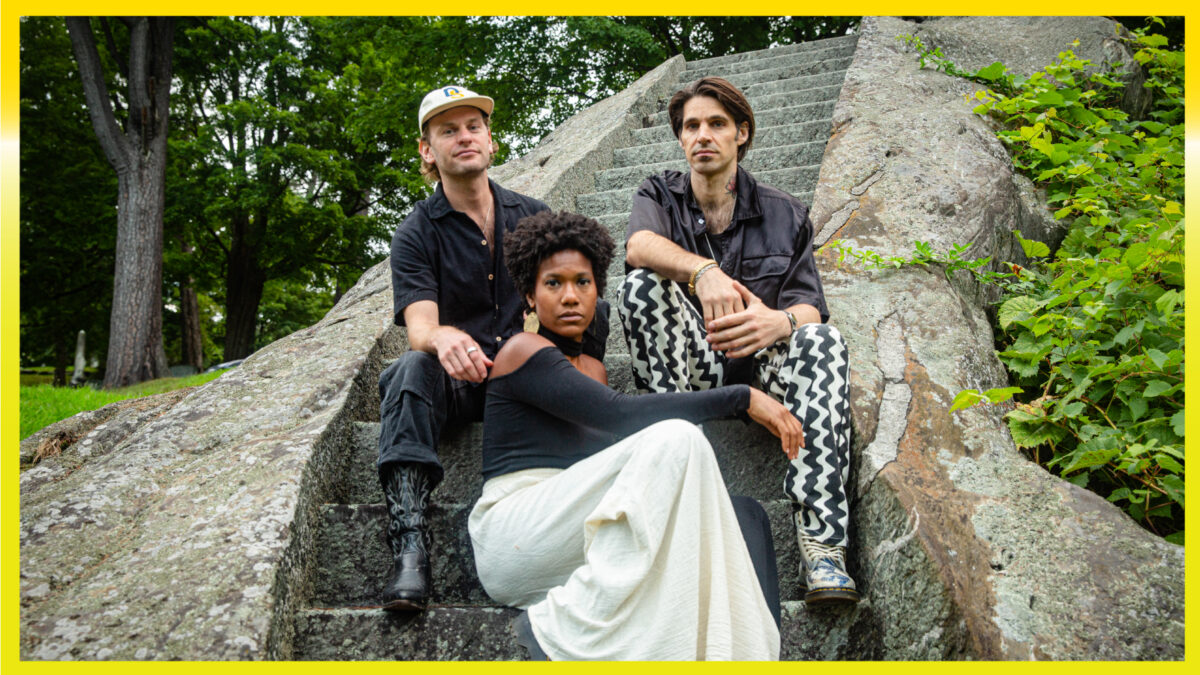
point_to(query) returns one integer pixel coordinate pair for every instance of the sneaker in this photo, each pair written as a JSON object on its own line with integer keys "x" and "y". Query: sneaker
{"x": 823, "y": 573}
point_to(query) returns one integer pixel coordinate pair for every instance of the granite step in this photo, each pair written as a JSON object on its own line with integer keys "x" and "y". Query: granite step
{"x": 816, "y": 85}
{"x": 452, "y": 633}
{"x": 440, "y": 633}
{"x": 750, "y": 458}
{"x": 353, "y": 558}
{"x": 769, "y": 61}
{"x": 797, "y": 49}
{"x": 616, "y": 224}
{"x": 745, "y": 80}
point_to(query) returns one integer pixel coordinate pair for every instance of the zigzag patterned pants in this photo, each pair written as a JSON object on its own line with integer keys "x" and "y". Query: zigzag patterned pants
{"x": 809, "y": 374}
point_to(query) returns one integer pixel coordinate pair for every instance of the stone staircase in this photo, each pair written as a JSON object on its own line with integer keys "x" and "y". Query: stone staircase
{"x": 793, "y": 90}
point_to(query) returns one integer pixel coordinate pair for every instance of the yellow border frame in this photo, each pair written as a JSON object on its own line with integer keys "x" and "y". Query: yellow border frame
{"x": 10, "y": 280}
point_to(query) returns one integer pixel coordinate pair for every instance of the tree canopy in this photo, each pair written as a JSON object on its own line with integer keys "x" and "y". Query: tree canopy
{"x": 292, "y": 152}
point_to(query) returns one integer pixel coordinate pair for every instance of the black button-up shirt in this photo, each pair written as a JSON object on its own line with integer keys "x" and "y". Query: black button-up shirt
{"x": 440, "y": 254}
{"x": 768, "y": 245}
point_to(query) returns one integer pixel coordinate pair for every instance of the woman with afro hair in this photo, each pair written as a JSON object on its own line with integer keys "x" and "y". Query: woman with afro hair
{"x": 605, "y": 515}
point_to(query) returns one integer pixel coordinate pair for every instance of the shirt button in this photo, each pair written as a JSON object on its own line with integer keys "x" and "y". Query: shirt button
{"x": 483, "y": 241}
{"x": 490, "y": 277}
{"x": 497, "y": 338}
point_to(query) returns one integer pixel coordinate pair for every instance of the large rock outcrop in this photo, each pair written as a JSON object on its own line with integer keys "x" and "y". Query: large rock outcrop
{"x": 966, "y": 547}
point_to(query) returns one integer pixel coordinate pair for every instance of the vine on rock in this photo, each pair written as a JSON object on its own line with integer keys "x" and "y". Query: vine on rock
{"x": 1093, "y": 334}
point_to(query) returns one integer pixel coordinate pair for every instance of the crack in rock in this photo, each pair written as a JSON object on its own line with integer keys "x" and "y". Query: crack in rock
{"x": 893, "y": 408}
{"x": 862, "y": 187}
{"x": 835, "y": 223}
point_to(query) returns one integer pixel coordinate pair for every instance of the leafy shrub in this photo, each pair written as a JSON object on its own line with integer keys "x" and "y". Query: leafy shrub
{"x": 1093, "y": 335}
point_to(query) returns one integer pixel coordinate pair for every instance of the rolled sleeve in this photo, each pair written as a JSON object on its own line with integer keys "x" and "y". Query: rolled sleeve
{"x": 413, "y": 275}
{"x": 648, "y": 213}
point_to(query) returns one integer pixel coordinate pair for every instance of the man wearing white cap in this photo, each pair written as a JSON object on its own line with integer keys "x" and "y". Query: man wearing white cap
{"x": 451, "y": 289}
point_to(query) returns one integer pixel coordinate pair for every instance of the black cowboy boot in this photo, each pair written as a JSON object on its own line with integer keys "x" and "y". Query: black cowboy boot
{"x": 406, "y": 490}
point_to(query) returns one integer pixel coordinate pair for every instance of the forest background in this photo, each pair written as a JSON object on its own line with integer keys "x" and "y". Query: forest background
{"x": 291, "y": 154}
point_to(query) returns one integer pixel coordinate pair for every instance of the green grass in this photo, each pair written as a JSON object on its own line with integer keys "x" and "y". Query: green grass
{"x": 43, "y": 404}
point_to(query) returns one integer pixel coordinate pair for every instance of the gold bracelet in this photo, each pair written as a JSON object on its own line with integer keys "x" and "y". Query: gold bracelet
{"x": 704, "y": 267}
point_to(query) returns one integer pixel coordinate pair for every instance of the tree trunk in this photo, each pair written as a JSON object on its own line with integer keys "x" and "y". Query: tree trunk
{"x": 191, "y": 339}
{"x": 135, "y": 349}
{"x": 138, "y": 155}
{"x": 243, "y": 291}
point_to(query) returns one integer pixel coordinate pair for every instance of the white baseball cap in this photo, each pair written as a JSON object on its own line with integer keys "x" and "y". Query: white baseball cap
{"x": 453, "y": 96}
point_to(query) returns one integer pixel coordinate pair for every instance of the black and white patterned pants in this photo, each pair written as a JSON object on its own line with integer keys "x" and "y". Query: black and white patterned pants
{"x": 808, "y": 373}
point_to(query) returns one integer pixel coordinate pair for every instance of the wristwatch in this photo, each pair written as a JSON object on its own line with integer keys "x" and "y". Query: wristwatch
{"x": 791, "y": 319}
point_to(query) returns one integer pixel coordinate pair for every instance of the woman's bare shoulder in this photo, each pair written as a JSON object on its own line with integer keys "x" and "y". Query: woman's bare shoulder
{"x": 517, "y": 351}
{"x": 594, "y": 369}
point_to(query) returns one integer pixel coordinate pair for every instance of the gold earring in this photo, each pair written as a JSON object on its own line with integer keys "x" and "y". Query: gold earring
{"x": 531, "y": 321}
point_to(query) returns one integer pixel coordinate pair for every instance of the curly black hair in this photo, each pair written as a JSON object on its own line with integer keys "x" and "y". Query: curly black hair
{"x": 545, "y": 233}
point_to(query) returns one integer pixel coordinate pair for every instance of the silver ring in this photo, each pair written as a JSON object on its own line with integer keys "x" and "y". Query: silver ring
{"x": 472, "y": 349}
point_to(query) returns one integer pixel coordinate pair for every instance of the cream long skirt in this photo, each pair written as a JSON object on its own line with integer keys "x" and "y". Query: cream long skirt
{"x": 631, "y": 554}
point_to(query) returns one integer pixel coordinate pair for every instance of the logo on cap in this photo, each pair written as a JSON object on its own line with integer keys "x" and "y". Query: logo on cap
{"x": 452, "y": 92}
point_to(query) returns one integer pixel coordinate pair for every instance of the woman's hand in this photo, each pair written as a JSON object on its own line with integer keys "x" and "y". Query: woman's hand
{"x": 778, "y": 420}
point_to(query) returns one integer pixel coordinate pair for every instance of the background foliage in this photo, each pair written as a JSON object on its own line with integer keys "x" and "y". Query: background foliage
{"x": 1093, "y": 333}
{"x": 293, "y": 151}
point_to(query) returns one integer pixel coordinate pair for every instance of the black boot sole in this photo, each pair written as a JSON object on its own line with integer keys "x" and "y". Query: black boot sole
{"x": 406, "y": 605}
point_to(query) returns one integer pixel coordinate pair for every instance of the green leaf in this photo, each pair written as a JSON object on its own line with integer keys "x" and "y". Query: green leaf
{"x": 1156, "y": 388}
{"x": 1136, "y": 255}
{"x": 1175, "y": 538}
{"x": 1157, "y": 357}
{"x": 991, "y": 73}
{"x": 1073, "y": 409}
{"x": 965, "y": 399}
{"x": 1032, "y": 248}
{"x": 1173, "y": 485}
{"x": 1016, "y": 309}
{"x": 1153, "y": 127}
{"x": 1090, "y": 458}
{"x": 1167, "y": 301}
{"x": 1050, "y": 98}
{"x": 1177, "y": 423}
{"x": 1000, "y": 395}
{"x": 1034, "y": 131}
{"x": 1031, "y": 430}
{"x": 1167, "y": 462}
{"x": 1119, "y": 494}
{"x": 1138, "y": 407}
{"x": 1125, "y": 334}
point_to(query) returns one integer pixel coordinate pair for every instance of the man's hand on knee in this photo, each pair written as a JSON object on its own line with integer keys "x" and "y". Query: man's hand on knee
{"x": 460, "y": 355}
{"x": 744, "y": 332}
{"x": 718, "y": 295}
